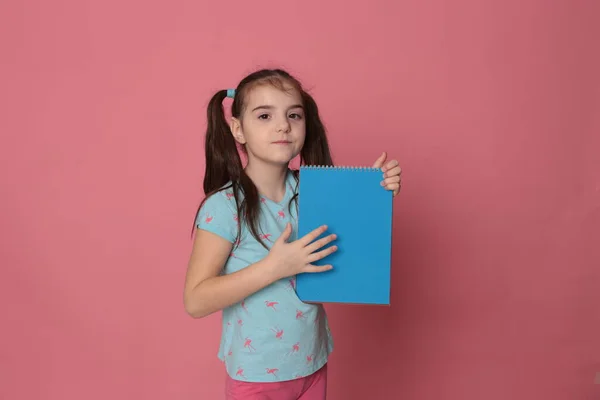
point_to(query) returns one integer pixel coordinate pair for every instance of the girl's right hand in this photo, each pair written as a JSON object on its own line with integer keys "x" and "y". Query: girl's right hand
{"x": 289, "y": 259}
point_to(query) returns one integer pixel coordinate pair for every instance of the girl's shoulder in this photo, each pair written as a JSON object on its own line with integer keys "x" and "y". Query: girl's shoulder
{"x": 218, "y": 214}
{"x": 222, "y": 198}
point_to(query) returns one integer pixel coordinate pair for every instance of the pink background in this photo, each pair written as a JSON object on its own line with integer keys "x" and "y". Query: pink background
{"x": 492, "y": 108}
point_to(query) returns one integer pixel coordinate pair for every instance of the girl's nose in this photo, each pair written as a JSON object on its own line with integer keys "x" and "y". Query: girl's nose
{"x": 283, "y": 126}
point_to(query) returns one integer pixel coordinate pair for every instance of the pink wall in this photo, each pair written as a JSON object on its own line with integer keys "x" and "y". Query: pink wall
{"x": 493, "y": 108}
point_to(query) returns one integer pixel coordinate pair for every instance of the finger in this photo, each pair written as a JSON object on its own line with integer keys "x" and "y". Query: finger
{"x": 393, "y": 171}
{"x": 285, "y": 235}
{"x": 311, "y": 269}
{"x": 309, "y": 237}
{"x": 390, "y": 164}
{"x": 321, "y": 254}
{"x": 379, "y": 162}
{"x": 314, "y": 246}
{"x": 392, "y": 179}
{"x": 394, "y": 187}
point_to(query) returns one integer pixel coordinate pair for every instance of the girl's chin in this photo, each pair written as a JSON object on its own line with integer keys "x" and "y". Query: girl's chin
{"x": 273, "y": 157}
{"x": 282, "y": 159}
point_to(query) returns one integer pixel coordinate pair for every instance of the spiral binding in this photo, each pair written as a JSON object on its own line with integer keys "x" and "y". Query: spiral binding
{"x": 341, "y": 167}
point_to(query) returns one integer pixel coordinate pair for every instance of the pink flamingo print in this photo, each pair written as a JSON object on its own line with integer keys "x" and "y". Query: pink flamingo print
{"x": 266, "y": 236}
{"x": 281, "y": 214}
{"x": 244, "y": 306}
{"x": 235, "y": 218}
{"x": 229, "y": 195}
{"x": 240, "y": 322}
{"x": 240, "y": 372}
{"x": 309, "y": 359}
{"x": 263, "y": 200}
{"x": 248, "y": 345}
{"x": 208, "y": 218}
{"x": 271, "y": 304}
{"x": 278, "y": 333}
{"x": 295, "y": 349}
{"x": 272, "y": 371}
{"x": 300, "y": 314}
{"x": 232, "y": 254}
{"x": 292, "y": 284}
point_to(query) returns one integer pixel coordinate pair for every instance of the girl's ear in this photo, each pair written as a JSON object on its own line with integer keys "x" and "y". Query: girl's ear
{"x": 236, "y": 131}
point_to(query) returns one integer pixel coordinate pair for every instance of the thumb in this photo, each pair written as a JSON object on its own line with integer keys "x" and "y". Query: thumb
{"x": 379, "y": 162}
{"x": 287, "y": 232}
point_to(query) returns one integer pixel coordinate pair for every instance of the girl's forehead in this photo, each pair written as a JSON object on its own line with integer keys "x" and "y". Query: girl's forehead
{"x": 270, "y": 95}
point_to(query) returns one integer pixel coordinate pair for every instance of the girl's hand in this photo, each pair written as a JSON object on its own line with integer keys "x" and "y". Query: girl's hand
{"x": 289, "y": 259}
{"x": 392, "y": 179}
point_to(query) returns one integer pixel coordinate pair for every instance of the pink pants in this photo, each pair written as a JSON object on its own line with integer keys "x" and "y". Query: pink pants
{"x": 312, "y": 387}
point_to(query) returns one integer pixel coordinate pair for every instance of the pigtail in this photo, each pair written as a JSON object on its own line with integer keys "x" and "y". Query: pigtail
{"x": 223, "y": 162}
{"x": 316, "y": 146}
{"x": 249, "y": 208}
{"x": 224, "y": 165}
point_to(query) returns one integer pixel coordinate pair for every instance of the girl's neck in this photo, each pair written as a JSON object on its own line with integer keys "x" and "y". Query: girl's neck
{"x": 269, "y": 179}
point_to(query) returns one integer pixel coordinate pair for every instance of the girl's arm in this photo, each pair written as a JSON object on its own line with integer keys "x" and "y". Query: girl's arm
{"x": 206, "y": 291}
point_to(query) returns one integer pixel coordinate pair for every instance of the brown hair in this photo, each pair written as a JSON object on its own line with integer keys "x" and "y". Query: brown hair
{"x": 223, "y": 162}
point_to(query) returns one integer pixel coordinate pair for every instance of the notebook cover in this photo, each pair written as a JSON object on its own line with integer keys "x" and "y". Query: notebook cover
{"x": 354, "y": 205}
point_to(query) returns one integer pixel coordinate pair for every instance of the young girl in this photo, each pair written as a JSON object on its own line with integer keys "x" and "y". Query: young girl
{"x": 246, "y": 254}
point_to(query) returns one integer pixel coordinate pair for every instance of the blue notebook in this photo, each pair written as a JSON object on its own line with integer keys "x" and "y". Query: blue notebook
{"x": 354, "y": 205}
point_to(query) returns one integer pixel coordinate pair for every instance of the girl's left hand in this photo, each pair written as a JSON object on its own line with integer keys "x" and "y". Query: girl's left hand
{"x": 391, "y": 173}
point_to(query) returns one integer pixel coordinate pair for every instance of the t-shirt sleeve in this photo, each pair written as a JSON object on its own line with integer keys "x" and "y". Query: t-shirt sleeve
{"x": 218, "y": 216}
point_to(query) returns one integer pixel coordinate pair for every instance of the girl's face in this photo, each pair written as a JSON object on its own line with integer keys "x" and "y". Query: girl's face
{"x": 272, "y": 126}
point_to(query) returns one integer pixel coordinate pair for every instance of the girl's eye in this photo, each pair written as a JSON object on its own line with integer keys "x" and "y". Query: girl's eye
{"x": 295, "y": 116}
{"x": 263, "y": 116}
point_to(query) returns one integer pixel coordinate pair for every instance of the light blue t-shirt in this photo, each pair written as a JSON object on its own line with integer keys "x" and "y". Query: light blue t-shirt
{"x": 271, "y": 335}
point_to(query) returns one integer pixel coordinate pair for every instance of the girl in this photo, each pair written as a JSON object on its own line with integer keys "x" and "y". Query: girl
{"x": 246, "y": 254}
